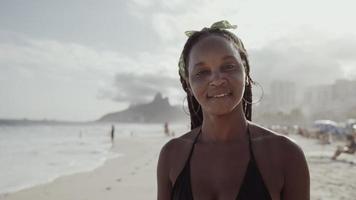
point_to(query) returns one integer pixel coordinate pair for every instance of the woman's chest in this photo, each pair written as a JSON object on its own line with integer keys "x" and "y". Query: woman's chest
{"x": 217, "y": 173}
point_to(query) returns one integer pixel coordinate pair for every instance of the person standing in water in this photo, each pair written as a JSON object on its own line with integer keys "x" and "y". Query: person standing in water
{"x": 112, "y": 134}
{"x": 166, "y": 129}
{"x": 226, "y": 155}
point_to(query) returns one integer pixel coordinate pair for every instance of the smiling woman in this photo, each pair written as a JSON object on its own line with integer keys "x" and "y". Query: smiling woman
{"x": 225, "y": 155}
{"x": 217, "y": 82}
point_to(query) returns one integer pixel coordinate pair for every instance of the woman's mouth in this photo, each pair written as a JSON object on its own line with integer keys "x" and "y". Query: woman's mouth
{"x": 219, "y": 95}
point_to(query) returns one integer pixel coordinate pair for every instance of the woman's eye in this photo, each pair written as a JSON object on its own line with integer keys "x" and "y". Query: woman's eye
{"x": 229, "y": 67}
{"x": 201, "y": 73}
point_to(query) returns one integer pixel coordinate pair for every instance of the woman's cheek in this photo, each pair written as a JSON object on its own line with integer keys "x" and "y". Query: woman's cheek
{"x": 239, "y": 77}
{"x": 198, "y": 81}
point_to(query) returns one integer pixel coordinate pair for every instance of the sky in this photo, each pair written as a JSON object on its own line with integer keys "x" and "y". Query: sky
{"x": 80, "y": 59}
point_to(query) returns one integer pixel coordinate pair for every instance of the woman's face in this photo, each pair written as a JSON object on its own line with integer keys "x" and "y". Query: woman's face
{"x": 216, "y": 75}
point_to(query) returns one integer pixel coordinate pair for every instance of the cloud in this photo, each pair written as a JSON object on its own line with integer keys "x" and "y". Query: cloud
{"x": 258, "y": 22}
{"x": 306, "y": 61}
{"x": 170, "y": 20}
{"x": 112, "y": 56}
{"x": 52, "y": 58}
{"x": 135, "y": 88}
{"x": 149, "y": 73}
{"x": 58, "y": 78}
{"x": 74, "y": 71}
{"x": 293, "y": 47}
{"x": 55, "y": 59}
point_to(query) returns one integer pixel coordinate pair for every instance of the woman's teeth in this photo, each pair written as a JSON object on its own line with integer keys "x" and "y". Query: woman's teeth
{"x": 220, "y": 95}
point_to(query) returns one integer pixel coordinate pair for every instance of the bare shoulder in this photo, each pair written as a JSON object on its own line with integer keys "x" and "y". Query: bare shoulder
{"x": 289, "y": 159}
{"x": 272, "y": 139}
{"x": 283, "y": 159}
{"x": 177, "y": 145}
{"x": 174, "y": 154}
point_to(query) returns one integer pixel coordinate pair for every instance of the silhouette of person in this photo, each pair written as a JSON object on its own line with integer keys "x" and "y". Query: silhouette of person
{"x": 112, "y": 133}
{"x": 349, "y": 148}
{"x": 166, "y": 129}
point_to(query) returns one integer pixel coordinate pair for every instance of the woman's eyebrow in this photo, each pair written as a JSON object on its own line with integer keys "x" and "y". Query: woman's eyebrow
{"x": 228, "y": 57}
{"x": 199, "y": 64}
{"x": 223, "y": 58}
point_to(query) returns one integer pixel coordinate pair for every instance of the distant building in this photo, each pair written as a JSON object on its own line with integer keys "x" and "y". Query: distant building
{"x": 335, "y": 101}
{"x": 317, "y": 97}
{"x": 337, "y": 98}
{"x": 283, "y": 95}
{"x": 344, "y": 91}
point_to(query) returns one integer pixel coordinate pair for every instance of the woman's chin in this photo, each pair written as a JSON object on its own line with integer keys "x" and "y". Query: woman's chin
{"x": 221, "y": 106}
{"x": 220, "y": 110}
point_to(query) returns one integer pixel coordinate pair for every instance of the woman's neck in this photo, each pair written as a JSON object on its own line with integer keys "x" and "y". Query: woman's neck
{"x": 224, "y": 128}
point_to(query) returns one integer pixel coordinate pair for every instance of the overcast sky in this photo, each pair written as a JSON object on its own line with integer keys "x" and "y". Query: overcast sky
{"x": 78, "y": 60}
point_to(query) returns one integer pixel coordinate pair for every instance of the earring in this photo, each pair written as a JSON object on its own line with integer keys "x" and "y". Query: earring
{"x": 262, "y": 94}
{"x": 195, "y": 112}
{"x": 191, "y": 100}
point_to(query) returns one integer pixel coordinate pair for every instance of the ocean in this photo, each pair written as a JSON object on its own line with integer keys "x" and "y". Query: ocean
{"x": 33, "y": 155}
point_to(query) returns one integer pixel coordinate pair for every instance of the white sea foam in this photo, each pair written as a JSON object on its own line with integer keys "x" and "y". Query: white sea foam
{"x": 32, "y": 155}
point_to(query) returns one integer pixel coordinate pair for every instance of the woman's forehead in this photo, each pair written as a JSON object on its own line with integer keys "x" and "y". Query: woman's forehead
{"x": 213, "y": 46}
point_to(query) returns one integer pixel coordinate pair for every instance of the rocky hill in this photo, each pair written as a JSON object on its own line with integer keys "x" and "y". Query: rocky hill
{"x": 157, "y": 111}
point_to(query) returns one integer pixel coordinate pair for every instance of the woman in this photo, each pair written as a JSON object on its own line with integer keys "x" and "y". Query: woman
{"x": 225, "y": 155}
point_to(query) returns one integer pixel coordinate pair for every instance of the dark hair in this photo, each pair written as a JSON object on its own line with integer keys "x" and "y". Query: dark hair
{"x": 196, "y": 115}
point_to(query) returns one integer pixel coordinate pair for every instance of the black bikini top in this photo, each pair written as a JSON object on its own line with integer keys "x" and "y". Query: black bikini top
{"x": 252, "y": 187}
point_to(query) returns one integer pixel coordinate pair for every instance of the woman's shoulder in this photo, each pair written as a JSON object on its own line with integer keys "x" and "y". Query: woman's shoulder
{"x": 174, "y": 153}
{"x": 279, "y": 151}
{"x": 269, "y": 139}
{"x": 281, "y": 155}
{"x": 180, "y": 144}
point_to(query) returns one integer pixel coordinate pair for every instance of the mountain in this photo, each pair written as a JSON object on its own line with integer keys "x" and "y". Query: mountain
{"x": 157, "y": 111}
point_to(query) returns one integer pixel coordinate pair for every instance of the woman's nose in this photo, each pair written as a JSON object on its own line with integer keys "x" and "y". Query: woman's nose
{"x": 217, "y": 79}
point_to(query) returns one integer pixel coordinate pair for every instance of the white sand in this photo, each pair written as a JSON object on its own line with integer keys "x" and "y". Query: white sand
{"x": 330, "y": 180}
{"x": 133, "y": 176}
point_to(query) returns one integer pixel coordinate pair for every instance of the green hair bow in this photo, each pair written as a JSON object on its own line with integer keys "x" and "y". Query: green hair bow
{"x": 217, "y": 25}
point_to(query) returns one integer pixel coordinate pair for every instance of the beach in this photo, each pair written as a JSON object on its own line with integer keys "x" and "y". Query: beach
{"x": 133, "y": 175}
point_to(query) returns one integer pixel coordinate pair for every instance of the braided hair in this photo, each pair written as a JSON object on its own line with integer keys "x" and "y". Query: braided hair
{"x": 196, "y": 115}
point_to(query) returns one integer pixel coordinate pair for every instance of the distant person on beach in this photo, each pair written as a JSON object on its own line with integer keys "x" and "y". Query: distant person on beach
{"x": 349, "y": 148}
{"x": 166, "y": 129}
{"x": 112, "y": 134}
{"x": 225, "y": 155}
{"x": 324, "y": 138}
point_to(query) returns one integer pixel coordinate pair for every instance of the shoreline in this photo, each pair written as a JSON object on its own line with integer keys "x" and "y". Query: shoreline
{"x": 133, "y": 176}
{"x": 25, "y": 186}
{"x": 137, "y": 157}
